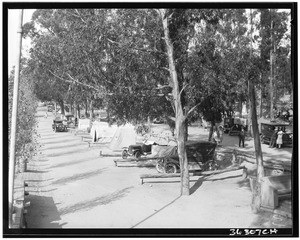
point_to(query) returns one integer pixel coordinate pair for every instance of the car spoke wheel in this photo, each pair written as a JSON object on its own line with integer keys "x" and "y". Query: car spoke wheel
{"x": 170, "y": 168}
{"x": 137, "y": 154}
{"x": 160, "y": 167}
{"x": 124, "y": 154}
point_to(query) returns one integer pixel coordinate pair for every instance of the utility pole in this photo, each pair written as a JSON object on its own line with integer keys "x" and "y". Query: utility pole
{"x": 12, "y": 151}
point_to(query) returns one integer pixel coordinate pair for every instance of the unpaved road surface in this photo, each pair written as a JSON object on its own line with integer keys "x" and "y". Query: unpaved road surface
{"x": 73, "y": 187}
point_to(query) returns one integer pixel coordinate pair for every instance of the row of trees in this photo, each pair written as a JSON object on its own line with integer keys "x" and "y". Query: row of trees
{"x": 176, "y": 63}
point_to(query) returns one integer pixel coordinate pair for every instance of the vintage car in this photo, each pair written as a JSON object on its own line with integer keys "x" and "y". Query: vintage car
{"x": 200, "y": 156}
{"x": 50, "y": 108}
{"x": 233, "y": 126}
{"x": 138, "y": 150}
{"x": 70, "y": 120}
{"x": 268, "y": 129}
{"x": 59, "y": 125}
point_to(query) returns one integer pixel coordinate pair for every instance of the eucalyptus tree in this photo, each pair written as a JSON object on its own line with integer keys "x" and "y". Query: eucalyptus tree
{"x": 275, "y": 51}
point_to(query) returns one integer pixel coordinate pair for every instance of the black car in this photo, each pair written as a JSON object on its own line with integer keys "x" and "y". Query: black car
{"x": 137, "y": 150}
{"x": 268, "y": 129}
{"x": 59, "y": 126}
{"x": 200, "y": 157}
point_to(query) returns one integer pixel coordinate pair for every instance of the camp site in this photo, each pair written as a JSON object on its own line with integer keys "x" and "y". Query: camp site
{"x": 166, "y": 122}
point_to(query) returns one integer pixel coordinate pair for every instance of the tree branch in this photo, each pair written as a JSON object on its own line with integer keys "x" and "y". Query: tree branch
{"x": 185, "y": 85}
{"x": 135, "y": 48}
{"x": 192, "y": 109}
{"x": 74, "y": 81}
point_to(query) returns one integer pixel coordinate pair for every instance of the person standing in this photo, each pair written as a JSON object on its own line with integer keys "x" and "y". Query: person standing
{"x": 242, "y": 137}
{"x": 279, "y": 138}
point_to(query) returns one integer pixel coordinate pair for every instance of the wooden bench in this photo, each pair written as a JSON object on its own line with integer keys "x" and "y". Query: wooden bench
{"x": 273, "y": 188}
{"x": 193, "y": 173}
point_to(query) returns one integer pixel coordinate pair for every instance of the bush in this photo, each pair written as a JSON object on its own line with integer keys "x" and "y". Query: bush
{"x": 26, "y": 145}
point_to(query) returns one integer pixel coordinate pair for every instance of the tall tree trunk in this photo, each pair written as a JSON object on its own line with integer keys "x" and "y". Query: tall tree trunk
{"x": 186, "y": 133}
{"x": 179, "y": 114}
{"x": 211, "y": 131}
{"x": 91, "y": 113}
{"x": 62, "y": 107}
{"x": 272, "y": 55}
{"x": 240, "y": 107}
{"x": 72, "y": 108}
{"x": 261, "y": 96}
{"x": 78, "y": 111}
{"x": 256, "y": 201}
{"x": 86, "y": 108}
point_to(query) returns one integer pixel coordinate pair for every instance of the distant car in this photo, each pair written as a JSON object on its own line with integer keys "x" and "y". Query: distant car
{"x": 59, "y": 126}
{"x": 70, "y": 120}
{"x": 50, "y": 108}
{"x": 267, "y": 130}
{"x": 158, "y": 120}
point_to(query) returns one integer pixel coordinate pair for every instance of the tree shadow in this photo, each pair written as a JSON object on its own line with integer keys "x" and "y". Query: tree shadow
{"x": 64, "y": 146}
{"x": 36, "y": 171}
{"x": 197, "y": 184}
{"x": 78, "y": 177}
{"x": 73, "y": 162}
{"x": 58, "y": 141}
{"x": 103, "y": 200}
{"x": 59, "y": 154}
{"x": 42, "y": 213}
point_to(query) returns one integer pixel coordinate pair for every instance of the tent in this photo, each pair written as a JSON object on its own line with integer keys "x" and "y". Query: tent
{"x": 83, "y": 124}
{"x": 124, "y": 136}
{"x": 102, "y": 132}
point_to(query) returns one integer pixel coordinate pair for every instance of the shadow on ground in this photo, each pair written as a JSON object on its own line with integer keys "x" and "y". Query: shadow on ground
{"x": 86, "y": 205}
{"x": 43, "y": 209}
{"x": 72, "y": 162}
{"x": 78, "y": 177}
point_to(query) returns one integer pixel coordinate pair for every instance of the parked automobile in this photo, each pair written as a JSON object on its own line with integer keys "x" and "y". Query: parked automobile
{"x": 138, "y": 150}
{"x": 158, "y": 120}
{"x": 233, "y": 126}
{"x": 200, "y": 157}
{"x": 50, "y": 108}
{"x": 267, "y": 130}
{"x": 59, "y": 125}
{"x": 70, "y": 120}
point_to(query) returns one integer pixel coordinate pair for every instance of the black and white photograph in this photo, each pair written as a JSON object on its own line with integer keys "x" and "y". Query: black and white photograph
{"x": 139, "y": 119}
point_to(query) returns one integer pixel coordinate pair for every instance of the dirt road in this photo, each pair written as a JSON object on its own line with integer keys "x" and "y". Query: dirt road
{"x": 75, "y": 188}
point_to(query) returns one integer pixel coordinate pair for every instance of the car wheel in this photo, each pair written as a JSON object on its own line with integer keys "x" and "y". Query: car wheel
{"x": 124, "y": 154}
{"x": 170, "y": 168}
{"x": 137, "y": 154}
{"x": 212, "y": 166}
{"x": 160, "y": 167}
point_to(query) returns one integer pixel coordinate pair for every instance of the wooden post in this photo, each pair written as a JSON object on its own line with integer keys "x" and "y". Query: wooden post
{"x": 12, "y": 152}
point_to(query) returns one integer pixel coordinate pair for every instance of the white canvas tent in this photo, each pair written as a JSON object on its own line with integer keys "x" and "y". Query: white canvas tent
{"x": 102, "y": 132}
{"x": 124, "y": 136}
{"x": 83, "y": 124}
